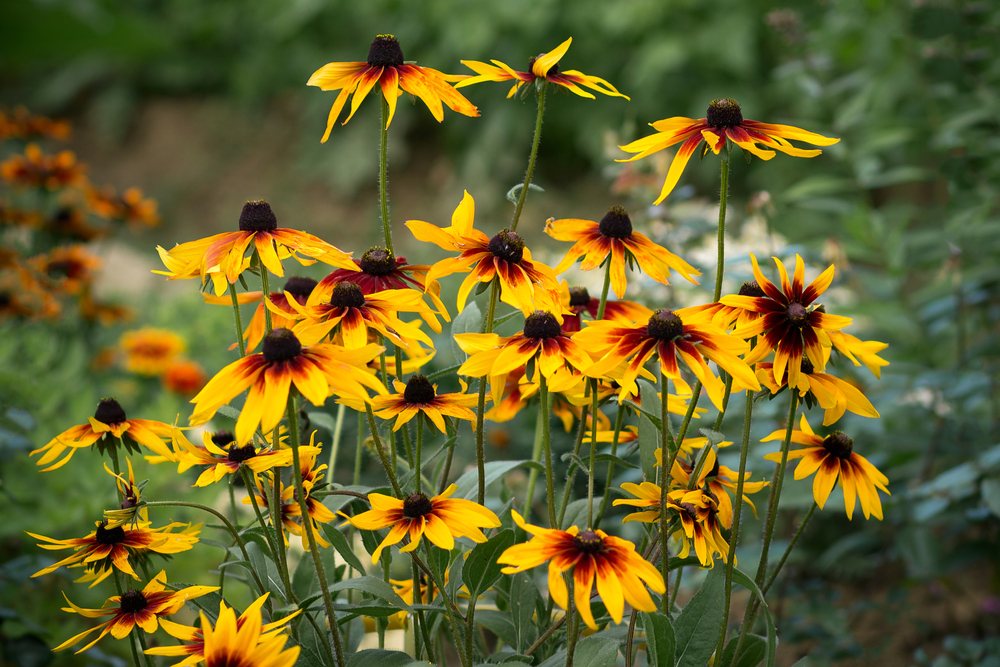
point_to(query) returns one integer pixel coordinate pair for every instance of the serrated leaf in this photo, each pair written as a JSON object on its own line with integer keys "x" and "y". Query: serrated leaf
{"x": 481, "y": 569}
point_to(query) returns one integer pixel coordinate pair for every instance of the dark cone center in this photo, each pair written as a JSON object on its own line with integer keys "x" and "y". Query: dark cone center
{"x": 417, "y": 505}
{"x": 128, "y": 502}
{"x": 377, "y": 262}
{"x": 807, "y": 367}
{"x": 723, "y": 113}
{"x": 579, "y": 296}
{"x": 385, "y": 51}
{"x": 347, "y": 295}
{"x": 300, "y": 287}
{"x": 257, "y": 216}
{"x": 221, "y": 438}
{"x": 588, "y": 542}
{"x": 508, "y": 246}
{"x": 616, "y": 224}
{"x": 109, "y": 411}
{"x": 751, "y": 288}
{"x": 797, "y": 314}
{"x": 541, "y": 325}
{"x": 839, "y": 444}
{"x": 665, "y": 325}
{"x": 241, "y": 454}
{"x": 132, "y": 602}
{"x": 109, "y": 535}
{"x": 418, "y": 390}
{"x": 281, "y": 345}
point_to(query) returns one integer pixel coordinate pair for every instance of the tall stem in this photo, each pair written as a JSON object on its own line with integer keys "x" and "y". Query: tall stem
{"x": 619, "y": 421}
{"x": 418, "y": 450}
{"x": 383, "y": 174}
{"x": 239, "y": 319}
{"x": 788, "y": 549}
{"x": 529, "y": 173}
{"x": 543, "y": 407}
{"x": 573, "y": 626}
{"x": 491, "y": 310}
{"x": 723, "y": 198}
{"x": 338, "y": 428}
{"x": 592, "y": 464}
{"x": 536, "y": 453}
{"x": 389, "y": 470}
{"x": 667, "y": 455}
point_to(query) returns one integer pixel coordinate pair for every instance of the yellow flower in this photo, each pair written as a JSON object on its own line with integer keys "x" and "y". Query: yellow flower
{"x": 150, "y": 351}
{"x": 419, "y": 396}
{"x": 718, "y": 481}
{"x": 834, "y": 395}
{"x": 231, "y": 642}
{"x": 67, "y": 269}
{"x": 38, "y": 170}
{"x": 220, "y": 455}
{"x": 130, "y": 509}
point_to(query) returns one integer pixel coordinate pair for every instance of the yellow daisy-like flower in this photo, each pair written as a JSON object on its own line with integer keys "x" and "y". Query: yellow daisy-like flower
{"x": 545, "y": 67}
{"x": 621, "y": 574}
{"x": 143, "y": 609}
{"x": 385, "y": 66}
{"x": 223, "y": 257}
{"x": 150, "y": 351}
{"x": 67, "y": 269}
{"x": 832, "y": 457}
{"x": 834, "y": 395}
{"x": 220, "y": 456}
{"x": 283, "y": 316}
{"x": 717, "y": 480}
{"x": 613, "y": 239}
{"x": 524, "y": 284}
{"x": 441, "y": 517}
{"x": 723, "y": 122}
{"x": 733, "y": 317}
{"x": 129, "y": 207}
{"x": 39, "y": 170}
{"x": 230, "y": 643}
{"x": 317, "y": 372}
{"x": 109, "y": 421}
{"x": 130, "y": 509}
{"x": 419, "y": 396}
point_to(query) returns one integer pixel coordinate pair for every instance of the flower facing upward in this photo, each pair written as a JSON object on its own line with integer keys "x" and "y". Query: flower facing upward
{"x": 385, "y": 66}
{"x": 108, "y": 424}
{"x": 150, "y": 351}
{"x": 834, "y": 395}
{"x": 544, "y": 67}
{"x": 621, "y": 574}
{"x": 441, "y": 518}
{"x": 222, "y": 257}
{"x": 317, "y": 372}
{"x": 221, "y": 456}
{"x": 143, "y": 609}
{"x": 419, "y": 396}
{"x": 613, "y": 239}
{"x": 829, "y": 458}
{"x": 523, "y": 282}
{"x": 723, "y": 122}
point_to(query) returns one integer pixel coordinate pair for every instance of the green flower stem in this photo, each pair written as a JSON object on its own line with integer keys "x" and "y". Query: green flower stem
{"x": 421, "y": 620}
{"x": 281, "y": 560}
{"x": 573, "y": 626}
{"x": 788, "y": 549}
{"x": 481, "y": 405}
{"x": 668, "y": 452}
{"x": 630, "y": 640}
{"x": 239, "y": 320}
{"x": 544, "y": 637}
{"x": 543, "y": 413}
{"x": 338, "y": 428}
{"x": 389, "y": 470}
{"x": 307, "y": 530}
{"x": 141, "y": 638}
{"x": 248, "y": 482}
{"x": 452, "y": 430}
{"x": 725, "y": 403}
{"x": 723, "y": 198}
{"x": 418, "y": 451}
{"x": 692, "y": 406}
{"x": 383, "y": 173}
{"x": 359, "y": 448}
{"x": 451, "y": 610}
{"x": 592, "y": 464}
{"x": 265, "y": 283}
{"x": 529, "y": 173}
{"x": 536, "y": 453}
{"x": 619, "y": 422}
{"x": 571, "y": 472}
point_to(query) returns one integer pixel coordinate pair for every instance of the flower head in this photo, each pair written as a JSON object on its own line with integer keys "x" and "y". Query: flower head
{"x": 150, "y": 351}
{"x": 577, "y": 301}
{"x": 419, "y": 396}
{"x": 68, "y": 269}
{"x": 39, "y": 170}
{"x": 184, "y": 377}
{"x": 834, "y": 395}
{"x": 220, "y": 456}
{"x": 130, "y": 509}
{"x": 129, "y": 207}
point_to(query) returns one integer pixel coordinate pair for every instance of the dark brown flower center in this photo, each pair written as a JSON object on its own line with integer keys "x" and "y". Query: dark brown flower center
{"x": 132, "y": 602}
{"x": 508, "y": 246}
{"x": 616, "y": 224}
{"x": 541, "y": 325}
{"x": 665, "y": 325}
{"x": 690, "y": 509}
{"x": 300, "y": 287}
{"x": 797, "y": 314}
{"x": 385, "y": 52}
{"x": 222, "y": 438}
{"x": 589, "y": 542}
{"x": 109, "y": 535}
{"x": 109, "y": 411}
{"x": 257, "y": 216}
{"x": 807, "y": 367}
{"x": 751, "y": 288}
{"x": 839, "y": 444}
{"x": 417, "y": 505}
{"x": 579, "y": 296}
{"x": 377, "y": 262}
{"x": 347, "y": 295}
{"x": 418, "y": 390}
{"x": 281, "y": 345}
{"x": 240, "y": 454}
{"x": 128, "y": 502}
{"x": 723, "y": 113}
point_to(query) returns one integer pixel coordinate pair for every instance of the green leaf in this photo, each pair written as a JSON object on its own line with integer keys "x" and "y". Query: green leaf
{"x": 343, "y": 547}
{"x": 660, "y": 642}
{"x": 649, "y": 431}
{"x": 468, "y": 483}
{"x": 989, "y": 489}
{"x": 772, "y": 634}
{"x": 377, "y": 657}
{"x": 374, "y": 587}
{"x": 499, "y": 624}
{"x": 523, "y": 601}
{"x": 699, "y": 623}
{"x": 752, "y": 654}
{"x": 481, "y": 569}
{"x": 596, "y": 652}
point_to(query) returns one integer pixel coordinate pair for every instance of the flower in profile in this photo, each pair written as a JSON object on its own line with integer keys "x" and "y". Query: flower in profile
{"x": 441, "y": 518}
{"x": 223, "y": 257}
{"x": 184, "y": 377}
{"x": 791, "y": 323}
{"x": 715, "y": 480}
{"x": 133, "y": 609}
{"x": 523, "y": 282}
{"x": 722, "y": 123}
{"x": 108, "y": 425}
{"x": 130, "y": 509}
{"x": 105, "y": 549}
{"x": 419, "y": 396}
{"x": 612, "y": 239}
{"x": 385, "y": 66}
{"x": 622, "y": 575}
{"x": 543, "y": 67}
{"x": 283, "y": 316}
{"x": 317, "y": 371}
{"x": 150, "y": 351}
{"x": 733, "y": 317}
{"x": 68, "y": 269}
{"x": 671, "y": 336}
{"x": 288, "y": 506}
{"x": 832, "y": 457}
{"x": 860, "y": 351}
{"x": 220, "y": 455}
{"x": 39, "y": 170}
{"x": 834, "y": 395}
{"x": 193, "y": 648}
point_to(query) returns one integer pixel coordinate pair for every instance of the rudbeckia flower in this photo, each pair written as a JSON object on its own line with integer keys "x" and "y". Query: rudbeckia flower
{"x": 419, "y": 396}
{"x": 108, "y": 424}
{"x": 723, "y": 122}
{"x": 523, "y": 282}
{"x": 150, "y": 351}
{"x": 733, "y": 317}
{"x": 245, "y": 641}
{"x": 223, "y": 257}
{"x": 832, "y": 457}
{"x": 193, "y": 648}
{"x": 613, "y": 240}
{"x": 220, "y": 456}
{"x": 133, "y": 609}
{"x": 441, "y": 518}
{"x": 105, "y": 548}
{"x": 130, "y": 509}
{"x": 317, "y": 372}
{"x": 38, "y": 170}
{"x": 545, "y": 67}
{"x": 791, "y": 323}
{"x": 67, "y": 269}
{"x": 622, "y": 575}
{"x": 129, "y": 207}
{"x": 283, "y": 316}
{"x": 577, "y": 301}
{"x": 834, "y": 395}
{"x": 718, "y": 481}
{"x": 288, "y": 510}
{"x": 385, "y": 67}
{"x": 184, "y": 377}
{"x": 670, "y": 337}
